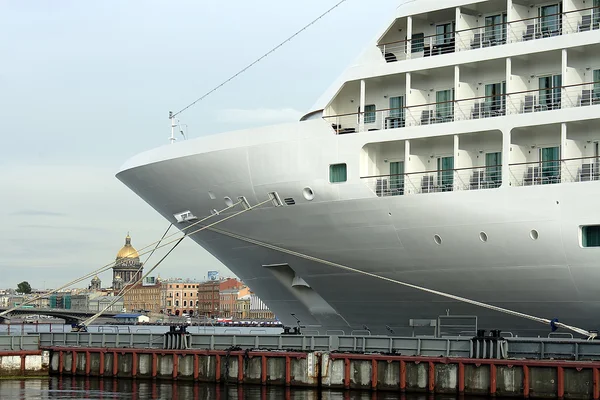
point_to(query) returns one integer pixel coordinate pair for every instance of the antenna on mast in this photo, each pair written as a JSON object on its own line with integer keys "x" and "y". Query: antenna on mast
{"x": 172, "y": 139}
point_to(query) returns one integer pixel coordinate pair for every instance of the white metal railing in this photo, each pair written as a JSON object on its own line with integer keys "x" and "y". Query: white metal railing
{"x": 480, "y": 107}
{"x": 385, "y": 185}
{"x": 368, "y": 121}
{"x": 581, "y": 95}
{"x": 429, "y": 182}
{"x": 395, "y": 51}
{"x": 528, "y": 101}
{"x": 475, "y": 178}
{"x": 429, "y": 114}
{"x": 427, "y": 46}
{"x": 555, "y": 171}
{"x": 481, "y": 37}
{"x": 581, "y": 20}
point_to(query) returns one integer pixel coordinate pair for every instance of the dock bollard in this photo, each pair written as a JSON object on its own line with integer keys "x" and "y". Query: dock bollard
{"x": 488, "y": 347}
{"x": 177, "y": 338}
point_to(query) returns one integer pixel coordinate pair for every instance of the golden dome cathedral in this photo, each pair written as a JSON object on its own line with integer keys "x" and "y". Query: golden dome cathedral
{"x": 128, "y": 251}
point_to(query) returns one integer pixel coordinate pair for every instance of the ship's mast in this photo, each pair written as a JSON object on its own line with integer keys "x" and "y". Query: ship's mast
{"x": 172, "y": 139}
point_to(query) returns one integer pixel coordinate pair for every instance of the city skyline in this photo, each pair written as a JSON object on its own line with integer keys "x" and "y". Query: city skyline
{"x": 88, "y": 85}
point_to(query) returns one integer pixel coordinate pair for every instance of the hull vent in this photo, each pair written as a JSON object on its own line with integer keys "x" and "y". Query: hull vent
{"x": 289, "y": 201}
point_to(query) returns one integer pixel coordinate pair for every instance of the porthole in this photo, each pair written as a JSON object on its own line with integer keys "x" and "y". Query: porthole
{"x": 437, "y": 239}
{"x": 228, "y": 201}
{"x": 308, "y": 193}
{"x": 483, "y": 236}
{"x": 534, "y": 235}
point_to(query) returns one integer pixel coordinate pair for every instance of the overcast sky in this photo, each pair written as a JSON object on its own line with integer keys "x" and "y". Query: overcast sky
{"x": 86, "y": 85}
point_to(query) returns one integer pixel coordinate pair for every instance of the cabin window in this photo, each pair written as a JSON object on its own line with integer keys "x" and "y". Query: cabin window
{"x": 445, "y": 166}
{"x": 494, "y": 97}
{"x": 444, "y": 33}
{"x": 596, "y": 14}
{"x": 596, "y": 95}
{"x": 550, "y": 19}
{"x": 495, "y": 29}
{"x": 493, "y": 169}
{"x": 590, "y": 236}
{"x": 444, "y": 103}
{"x": 550, "y": 157}
{"x": 397, "y": 107}
{"x": 337, "y": 173}
{"x": 370, "y": 114}
{"x": 550, "y": 87}
{"x": 417, "y": 43}
{"x": 397, "y": 177}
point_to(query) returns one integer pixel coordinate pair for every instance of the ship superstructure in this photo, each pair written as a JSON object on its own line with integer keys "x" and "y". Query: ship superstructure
{"x": 460, "y": 153}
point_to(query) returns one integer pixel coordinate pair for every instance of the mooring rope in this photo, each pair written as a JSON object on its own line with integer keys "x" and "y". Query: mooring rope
{"x": 130, "y": 286}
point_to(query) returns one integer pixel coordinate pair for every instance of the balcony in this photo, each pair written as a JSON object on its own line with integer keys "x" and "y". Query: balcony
{"x": 495, "y": 32}
{"x": 448, "y": 180}
{"x": 528, "y": 101}
{"x": 584, "y": 169}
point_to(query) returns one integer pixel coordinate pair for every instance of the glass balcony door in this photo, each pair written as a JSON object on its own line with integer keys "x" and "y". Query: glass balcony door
{"x": 445, "y": 178}
{"x": 495, "y": 30}
{"x": 550, "y": 92}
{"x": 550, "y": 157}
{"x": 596, "y": 90}
{"x": 397, "y": 107}
{"x": 494, "y": 98}
{"x": 550, "y": 20}
{"x": 444, "y": 33}
{"x": 493, "y": 169}
{"x": 444, "y": 104}
{"x": 397, "y": 177}
{"x": 596, "y": 15}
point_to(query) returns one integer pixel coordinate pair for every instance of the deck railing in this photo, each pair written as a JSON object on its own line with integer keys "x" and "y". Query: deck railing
{"x": 582, "y": 169}
{"x": 527, "y": 101}
{"x": 436, "y": 181}
{"x": 569, "y": 22}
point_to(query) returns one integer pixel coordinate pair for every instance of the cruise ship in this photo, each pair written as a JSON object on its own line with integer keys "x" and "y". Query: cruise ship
{"x": 460, "y": 153}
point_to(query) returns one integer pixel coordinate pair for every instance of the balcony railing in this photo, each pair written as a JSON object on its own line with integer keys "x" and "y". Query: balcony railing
{"x": 528, "y": 101}
{"x": 446, "y": 180}
{"x": 553, "y": 98}
{"x": 583, "y": 169}
{"x": 432, "y": 45}
{"x": 523, "y": 30}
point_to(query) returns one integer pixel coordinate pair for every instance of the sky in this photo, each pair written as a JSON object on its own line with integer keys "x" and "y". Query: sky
{"x": 86, "y": 85}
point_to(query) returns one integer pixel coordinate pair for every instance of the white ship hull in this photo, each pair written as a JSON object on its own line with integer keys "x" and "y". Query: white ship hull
{"x": 551, "y": 277}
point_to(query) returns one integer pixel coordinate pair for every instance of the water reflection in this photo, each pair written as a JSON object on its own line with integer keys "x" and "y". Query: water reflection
{"x": 62, "y": 388}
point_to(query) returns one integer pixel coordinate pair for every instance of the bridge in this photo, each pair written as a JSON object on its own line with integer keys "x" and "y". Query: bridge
{"x": 70, "y": 316}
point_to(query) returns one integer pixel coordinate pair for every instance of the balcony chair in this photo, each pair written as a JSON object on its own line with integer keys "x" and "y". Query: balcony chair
{"x": 529, "y": 33}
{"x": 476, "y": 180}
{"x": 476, "y": 42}
{"x": 528, "y": 179}
{"x": 585, "y": 24}
{"x": 426, "y": 116}
{"x": 390, "y": 57}
{"x": 381, "y": 187}
{"x": 585, "y": 172}
{"x": 586, "y": 98}
{"x": 476, "y": 111}
{"x": 427, "y": 184}
{"x": 528, "y": 104}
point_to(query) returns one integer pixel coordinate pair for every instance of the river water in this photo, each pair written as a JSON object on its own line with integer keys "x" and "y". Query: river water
{"x": 63, "y": 388}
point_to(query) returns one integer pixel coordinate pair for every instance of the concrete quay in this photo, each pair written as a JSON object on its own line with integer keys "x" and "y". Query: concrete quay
{"x": 377, "y": 372}
{"x": 24, "y": 363}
